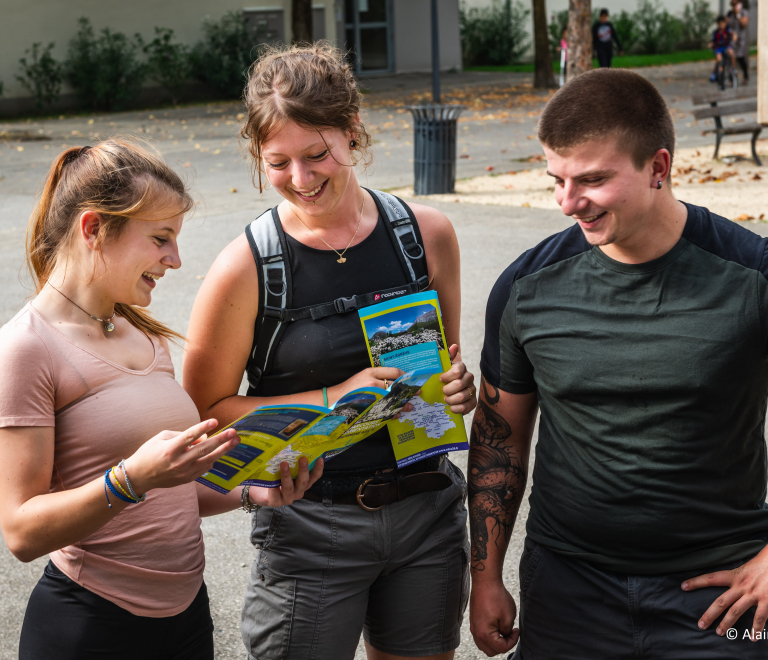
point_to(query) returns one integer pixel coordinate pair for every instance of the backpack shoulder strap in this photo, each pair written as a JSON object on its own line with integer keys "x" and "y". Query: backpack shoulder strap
{"x": 404, "y": 232}
{"x": 267, "y": 241}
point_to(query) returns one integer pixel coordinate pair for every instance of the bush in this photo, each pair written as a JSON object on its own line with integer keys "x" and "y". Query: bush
{"x": 168, "y": 63}
{"x": 626, "y": 27}
{"x": 557, "y": 24}
{"x": 222, "y": 58}
{"x": 658, "y": 30}
{"x": 105, "y": 71}
{"x": 698, "y": 21}
{"x": 495, "y": 34}
{"x": 42, "y": 76}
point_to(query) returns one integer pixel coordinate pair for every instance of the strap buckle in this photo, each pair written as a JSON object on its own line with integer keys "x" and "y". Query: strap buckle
{"x": 277, "y": 313}
{"x": 360, "y": 495}
{"x": 344, "y": 305}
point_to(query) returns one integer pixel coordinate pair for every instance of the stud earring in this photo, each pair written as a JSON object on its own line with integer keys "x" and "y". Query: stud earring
{"x": 658, "y": 185}
{"x": 352, "y": 144}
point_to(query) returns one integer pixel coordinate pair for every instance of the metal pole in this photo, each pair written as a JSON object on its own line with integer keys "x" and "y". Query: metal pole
{"x": 435, "y": 56}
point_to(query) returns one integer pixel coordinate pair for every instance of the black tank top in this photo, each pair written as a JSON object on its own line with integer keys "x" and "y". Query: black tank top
{"x": 316, "y": 354}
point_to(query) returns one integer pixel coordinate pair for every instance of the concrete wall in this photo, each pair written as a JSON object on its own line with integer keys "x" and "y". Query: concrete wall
{"x": 413, "y": 44}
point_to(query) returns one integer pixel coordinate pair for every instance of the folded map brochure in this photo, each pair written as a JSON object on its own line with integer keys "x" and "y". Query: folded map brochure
{"x": 271, "y": 435}
{"x": 406, "y": 333}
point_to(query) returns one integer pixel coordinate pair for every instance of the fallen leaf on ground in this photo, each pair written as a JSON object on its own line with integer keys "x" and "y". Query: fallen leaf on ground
{"x": 489, "y": 168}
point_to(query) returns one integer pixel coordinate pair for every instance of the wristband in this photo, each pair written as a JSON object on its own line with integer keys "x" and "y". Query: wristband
{"x": 325, "y": 397}
{"x": 128, "y": 483}
{"x": 114, "y": 490}
{"x": 246, "y": 504}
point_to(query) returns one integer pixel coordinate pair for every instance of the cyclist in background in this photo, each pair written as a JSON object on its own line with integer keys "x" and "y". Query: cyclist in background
{"x": 722, "y": 38}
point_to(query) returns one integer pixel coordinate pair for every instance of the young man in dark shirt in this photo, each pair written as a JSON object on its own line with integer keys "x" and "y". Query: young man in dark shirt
{"x": 641, "y": 334}
{"x": 603, "y": 36}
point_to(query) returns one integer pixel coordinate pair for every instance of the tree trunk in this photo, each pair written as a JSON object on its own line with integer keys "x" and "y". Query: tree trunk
{"x": 579, "y": 37}
{"x": 301, "y": 21}
{"x": 543, "y": 78}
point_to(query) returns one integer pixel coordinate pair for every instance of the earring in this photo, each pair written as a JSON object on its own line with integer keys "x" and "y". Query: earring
{"x": 658, "y": 185}
{"x": 353, "y": 144}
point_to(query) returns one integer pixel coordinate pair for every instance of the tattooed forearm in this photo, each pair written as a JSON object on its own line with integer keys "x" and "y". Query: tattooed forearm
{"x": 496, "y": 480}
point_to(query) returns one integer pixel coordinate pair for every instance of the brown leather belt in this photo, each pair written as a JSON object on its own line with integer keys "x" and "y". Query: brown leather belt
{"x": 374, "y": 496}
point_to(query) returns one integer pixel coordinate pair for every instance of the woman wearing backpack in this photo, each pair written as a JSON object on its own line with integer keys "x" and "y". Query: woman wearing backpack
{"x": 328, "y": 568}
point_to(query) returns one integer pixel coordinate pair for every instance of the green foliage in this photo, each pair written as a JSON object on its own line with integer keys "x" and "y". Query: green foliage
{"x": 626, "y": 27}
{"x": 222, "y": 58}
{"x": 168, "y": 62}
{"x": 105, "y": 70}
{"x": 494, "y": 35}
{"x": 698, "y": 21}
{"x": 557, "y": 24}
{"x": 42, "y": 75}
{"x": 658, "y": 30}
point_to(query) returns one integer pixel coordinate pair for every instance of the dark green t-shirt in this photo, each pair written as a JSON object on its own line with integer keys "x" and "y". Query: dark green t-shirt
{"x": 652, "y": 381}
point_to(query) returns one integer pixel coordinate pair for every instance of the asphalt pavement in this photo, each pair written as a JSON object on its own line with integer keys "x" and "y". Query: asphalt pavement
{"x": 496, "y": 134}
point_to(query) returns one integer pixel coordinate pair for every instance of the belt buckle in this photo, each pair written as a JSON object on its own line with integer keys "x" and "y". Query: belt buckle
{"x": 359, "y": 496}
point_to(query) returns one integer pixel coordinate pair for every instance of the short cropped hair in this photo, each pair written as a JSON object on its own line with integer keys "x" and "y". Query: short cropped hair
{"x": 605, "y": 103}
{"x": 604, "y": 12}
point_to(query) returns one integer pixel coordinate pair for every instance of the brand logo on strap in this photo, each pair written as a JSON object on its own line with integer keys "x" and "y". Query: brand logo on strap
{"x": 389, "y": 295}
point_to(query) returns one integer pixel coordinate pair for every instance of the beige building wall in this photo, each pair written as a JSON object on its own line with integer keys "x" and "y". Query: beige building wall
{"x": 413, "y": 43}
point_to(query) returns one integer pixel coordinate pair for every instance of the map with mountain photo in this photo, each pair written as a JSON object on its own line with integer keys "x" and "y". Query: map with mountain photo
{"x": 401, "y": 328}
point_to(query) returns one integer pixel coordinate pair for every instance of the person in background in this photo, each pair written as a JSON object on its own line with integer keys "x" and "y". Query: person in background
{"x": 738, "y": 19}
{"x": 603, "y": 36}
{"x": 722, "y": 38}
{"x": 563, "y": 50}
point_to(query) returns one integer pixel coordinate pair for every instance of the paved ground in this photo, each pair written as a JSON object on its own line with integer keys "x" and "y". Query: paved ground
{"x": 201, "y": 142}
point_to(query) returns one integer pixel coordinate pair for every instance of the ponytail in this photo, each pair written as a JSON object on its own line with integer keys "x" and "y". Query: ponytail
{"x": 119, "y": 179}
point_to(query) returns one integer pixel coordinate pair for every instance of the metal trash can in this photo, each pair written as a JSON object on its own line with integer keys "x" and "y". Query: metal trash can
{"x": 434, "y": 147}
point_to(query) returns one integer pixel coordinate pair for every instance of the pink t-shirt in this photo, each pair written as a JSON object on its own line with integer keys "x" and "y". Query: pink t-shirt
{"x": 149, "y": 559}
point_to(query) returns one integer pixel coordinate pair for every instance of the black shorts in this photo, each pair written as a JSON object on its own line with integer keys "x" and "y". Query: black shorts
{"x": 572, "y": 610}
{"x": 67, "y": 622}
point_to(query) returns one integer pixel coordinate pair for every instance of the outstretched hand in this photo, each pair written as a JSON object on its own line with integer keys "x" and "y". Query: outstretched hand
{"x": 289, "y": 490}
{"x": 747, "y": 587}
{"x": 459, "y": 388}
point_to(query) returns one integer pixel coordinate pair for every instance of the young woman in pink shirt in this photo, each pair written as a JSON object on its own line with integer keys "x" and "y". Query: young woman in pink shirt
{"x": 91, "y": 473}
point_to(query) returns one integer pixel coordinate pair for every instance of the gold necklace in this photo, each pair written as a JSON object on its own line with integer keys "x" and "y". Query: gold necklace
{"x": 341, "y": 258}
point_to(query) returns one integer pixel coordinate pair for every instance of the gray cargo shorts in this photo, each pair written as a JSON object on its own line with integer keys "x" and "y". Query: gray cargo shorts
{"x": 323, "y": 573}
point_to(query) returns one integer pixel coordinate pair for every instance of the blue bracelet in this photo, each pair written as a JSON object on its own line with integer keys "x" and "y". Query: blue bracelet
{"x": 325, "y": 397}
{"x": 114, "y": 490}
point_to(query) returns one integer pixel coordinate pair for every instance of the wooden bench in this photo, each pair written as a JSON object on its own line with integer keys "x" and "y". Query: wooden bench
{"x": 729, "y": 102}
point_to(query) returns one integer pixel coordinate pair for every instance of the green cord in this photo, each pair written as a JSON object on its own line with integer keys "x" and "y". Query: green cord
{"x": 325, "y": 397}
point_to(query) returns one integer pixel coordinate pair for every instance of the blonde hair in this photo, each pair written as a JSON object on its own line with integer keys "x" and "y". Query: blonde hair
{"x": 119, "y": 179}
{"x": 311, "y": 85}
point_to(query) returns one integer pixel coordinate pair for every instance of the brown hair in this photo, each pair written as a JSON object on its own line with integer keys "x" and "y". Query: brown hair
{"x": 609, "y": 102}
{"x": 311, "y": 85}
{"x": 119, "y": 179}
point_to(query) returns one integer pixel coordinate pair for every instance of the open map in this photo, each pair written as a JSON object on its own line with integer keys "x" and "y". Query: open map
{"x": 432, "y": 417}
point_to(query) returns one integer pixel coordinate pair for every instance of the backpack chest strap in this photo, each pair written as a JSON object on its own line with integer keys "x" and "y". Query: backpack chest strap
{"x": 344, "y": 305}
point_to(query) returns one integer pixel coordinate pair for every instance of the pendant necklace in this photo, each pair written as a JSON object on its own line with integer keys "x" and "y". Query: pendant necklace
{"x": 108, "y": 325}
{"x": 342, "y": 259}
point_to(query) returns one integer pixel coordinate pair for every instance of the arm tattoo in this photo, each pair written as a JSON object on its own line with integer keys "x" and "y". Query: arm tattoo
{"x": 496, "y": 479}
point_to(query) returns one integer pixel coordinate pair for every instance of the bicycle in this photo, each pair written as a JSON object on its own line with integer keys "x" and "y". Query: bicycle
{"x": 725, "y": 74}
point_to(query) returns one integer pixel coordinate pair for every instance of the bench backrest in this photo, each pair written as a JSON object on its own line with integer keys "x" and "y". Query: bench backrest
{"x": 725, "y": 95}
{"x": 725, "y": 109}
